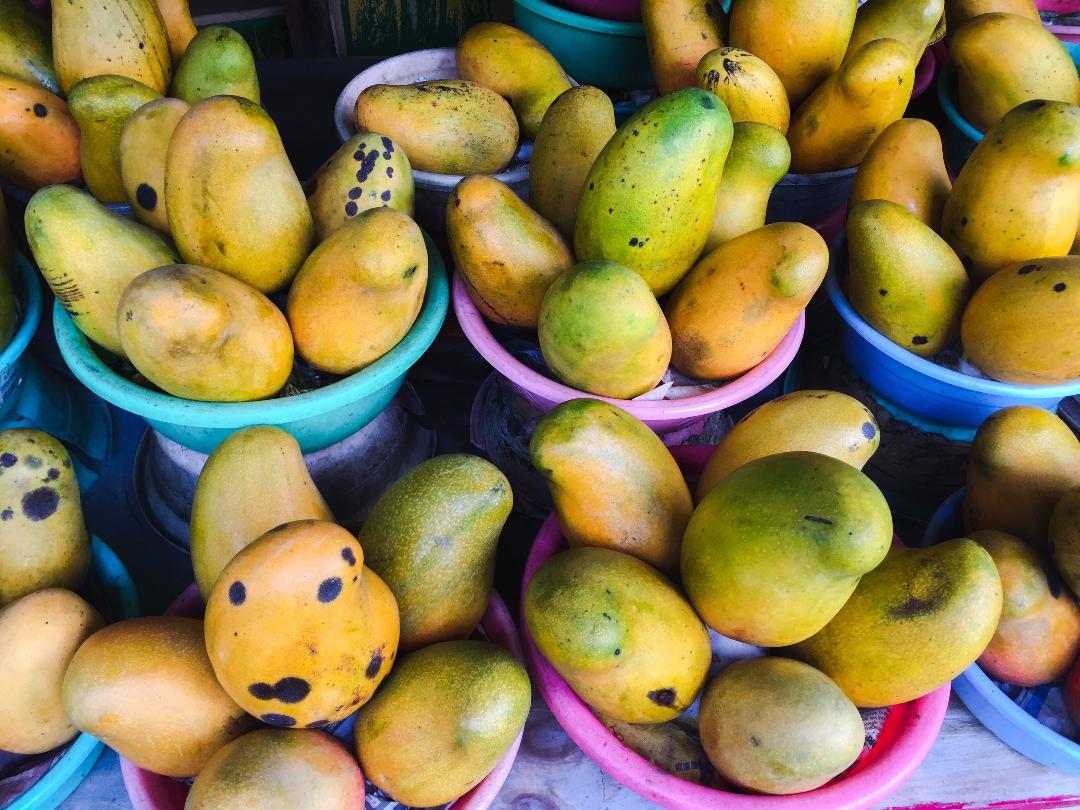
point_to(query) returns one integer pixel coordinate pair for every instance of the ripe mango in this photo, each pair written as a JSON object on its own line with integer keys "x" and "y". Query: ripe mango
{"x": 912, "y": 22}
{"x": 470, "y": 698}
{"x": 648, "y": 200}
{"x": 621, "y": 635}
{"x": 825, "y": 422}
{"x": 958, "y": 12}
{"x": 432, "y": 538}
{"x": 179, "y": 27}
{"x": 678, "y": 34}
{"x": 26, "y": 45}
{"x": 217, "y": 62}
{"x": 613, "y": 481}
{"x": 1023, "y": 460}
{"x": 740, "y": 300}
{"x": 144, "y": 144}
{"x": 1063, "y": 535}
{"x": 601, "y": 331}
{"x": 1018, "y": 195}
{"x": 884, "y": 646}
{"x": 43, "y": 540}
{"x": 200, "y": 334}
{"x": 359, "y": 292}
{"x": 506, "y": 253}
{"x": 447, "y": 126}
{"x": 749, "y": 88}
{"x": 39, "y": 138}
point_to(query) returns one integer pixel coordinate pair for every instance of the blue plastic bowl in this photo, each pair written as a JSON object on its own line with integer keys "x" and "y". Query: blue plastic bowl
{"x": 992, "y": 707}
{"x": 316, "y": 419}
{"x": 28, "y": 290}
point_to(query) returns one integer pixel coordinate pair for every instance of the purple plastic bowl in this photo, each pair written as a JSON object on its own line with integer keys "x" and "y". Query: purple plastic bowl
{"x": 624, "y": 10}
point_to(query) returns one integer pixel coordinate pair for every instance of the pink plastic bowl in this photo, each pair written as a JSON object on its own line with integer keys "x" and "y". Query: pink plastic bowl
{"x": 924, "y": 72}
{"x": 151, "y": 791}
{"x": 624, "y": 10}
{"x": 905, "y": 738}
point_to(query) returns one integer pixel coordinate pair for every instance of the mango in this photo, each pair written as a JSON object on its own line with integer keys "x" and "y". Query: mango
{"x": 905, "y": 165}
{"x": 838, "y": 123}
{"x": 470, "y": 697}
{"x": 179, "y": 27}
{"x": 1063, "y": 536}
{"x": 614, "y": 483}
{"x": 749, "y": 88}
{"x": 758, "y": 159}
{"x": 200, "y": 334}
{"x": 39, "y": 138}
{"x": 883, "y": 648}
{"x": 26, "y": 45}
{"x": 574, "y": 130}
{"x": 354, "y": 180}
{"x": 514, "y": 65}
{"x": 741, "y": 299}
{"x": 234, "y": 202}
{"x": 40, "y": 633}
{"x": 359, "y": 292}
{"x": 648, "y": 200}
{"x": 1018, "y": 195}
{"x": 1038, "y": 635}
{"x": 958, "y": 12}
{"x": 912, "y": 22}
{"x": 778, "y": 726}
{"x": 678, "y": 33}
{"x": 432, "y": 537}
{"x": 903, "y": 278}
{"x": 1022, "y": 325}
{"x": 277, "y": 769}
{"x": 1023, "y": 460}
{"x": 620, "y": 634}
{"x": 505, "y": 252}
{"x": 825, "y": 422}
{"x": 668, "y": 746}
{"x": 43, "y": 540}
{"x": 601, "y": 331}
{"x": 299, "y": 632}
{"x": 802, "y": 40}
{"x": 144, "y": 143}
{"x": 447, "y": 126}
{"x": 254, "y": 481}
{"x": 217, "y": 62}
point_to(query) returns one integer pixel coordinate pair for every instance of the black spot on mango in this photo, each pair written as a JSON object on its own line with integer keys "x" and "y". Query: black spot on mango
{"x": 277, "y": 719}
{"x": 662, "y": 697}
{"x": 40, "y": 504}
{"x": 237, "y": 593}
{"x": 329, "y": 589}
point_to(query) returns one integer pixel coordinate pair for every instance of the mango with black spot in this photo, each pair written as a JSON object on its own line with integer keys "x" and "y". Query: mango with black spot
{"x": 43, "y": 540}
{"x": 678, "y": 33}
{"x": 144, "y": 144}
{"x": 26, "y": 45}
{"x": 217, "y": 62}
{"x": 39, "y": 138}
{"x": 1063, "y": 536}
{"x": 749, "y": 88}
{"x": 916, "y": 23}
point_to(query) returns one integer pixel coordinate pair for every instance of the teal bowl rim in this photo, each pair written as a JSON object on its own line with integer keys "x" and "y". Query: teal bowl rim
{"x": 573, "y": 19}
{"x": 83, "y": 360}
{"x": 29, "y": 315}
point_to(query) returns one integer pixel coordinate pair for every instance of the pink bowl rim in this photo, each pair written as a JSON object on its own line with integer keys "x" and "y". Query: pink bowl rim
{"x": 869, "y": 782}
{"x": 152, "y": 791}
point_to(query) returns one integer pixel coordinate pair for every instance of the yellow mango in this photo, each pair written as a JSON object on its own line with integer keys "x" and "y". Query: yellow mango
{"x": 179, "y": 27}
{"x": 39, "y": 137}
{"x": 912, "y": 22}
{"x": 958, "y": 12}
{"x": 144, "y": 144}
{"x": 678, "y": 34}
{"x": 749, "y": 88}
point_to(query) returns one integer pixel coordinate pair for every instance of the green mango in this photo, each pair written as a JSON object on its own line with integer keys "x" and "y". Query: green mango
{"x": 432, "y": 537}
{"x": 648, "y": 200}
{"x": 217, "y": 62}
{"x": 26, "y": 45}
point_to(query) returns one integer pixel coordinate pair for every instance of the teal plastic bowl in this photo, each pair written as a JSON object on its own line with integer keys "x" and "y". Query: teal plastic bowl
{"x": 28, "y": 292}
{"x": 316, "y": 419}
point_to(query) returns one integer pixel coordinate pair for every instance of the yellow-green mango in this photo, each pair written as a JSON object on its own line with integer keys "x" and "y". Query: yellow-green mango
{"x": 838, "y": 123}
{"x": 601, "y": 331}
{"x": 39, "y": 634}
{"x": 648, "y": 200}
{"x": 368, "y": 171}
{"x": 26, "y": 45}
{"x": 614, "y": 483}
{"x": 144, "y": 144}
{"x": 254, "y": 481}
{"x": 145, "y": 688}
{"x": 903, "y": 278}
{"x": 514, "y": 65}
{"x": 1018, "y": 195}
{"x": 774, "y": 550}
{"x": 199, "y": 334}
{"x": 802, "y": 40}
{"x": 958, "y": 12}
{"x": 1063, "y": 535}
{"x": 621, "y": 634}
{"x": 39, "y": 138}
{"x": 884, "y": 646}
{"x": 749, "y": 88}
{"x": 1023, "y": 460}
{"x": 825, "y": 422}
{"x": 359, "y": 292}
{"x": 432, "y": 537}
{"x": 740, "y": 300}
{"x": 905, "y": 165}
{"x": 912, "y": 22}
{"x": 991, "y": 79}
{"x": 471, "y": 698}
{"x": 179, "y": 27}
{"x": 119, "y": 38}
{"x": 43, "y": 540}
{"x": 446, "y": 126}
{"x": 678, "y": 33}
{"x": 234, "y": 202}
{"x": 102, "y": 105}
{"x": 217, "y": 62}
{"x": 505, "y": 252}
{"x": 1022, "y": 325}
{"x": 759, "y": 157}
{"x": 576, "y": 127}
{"x": 775, "y": 725}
